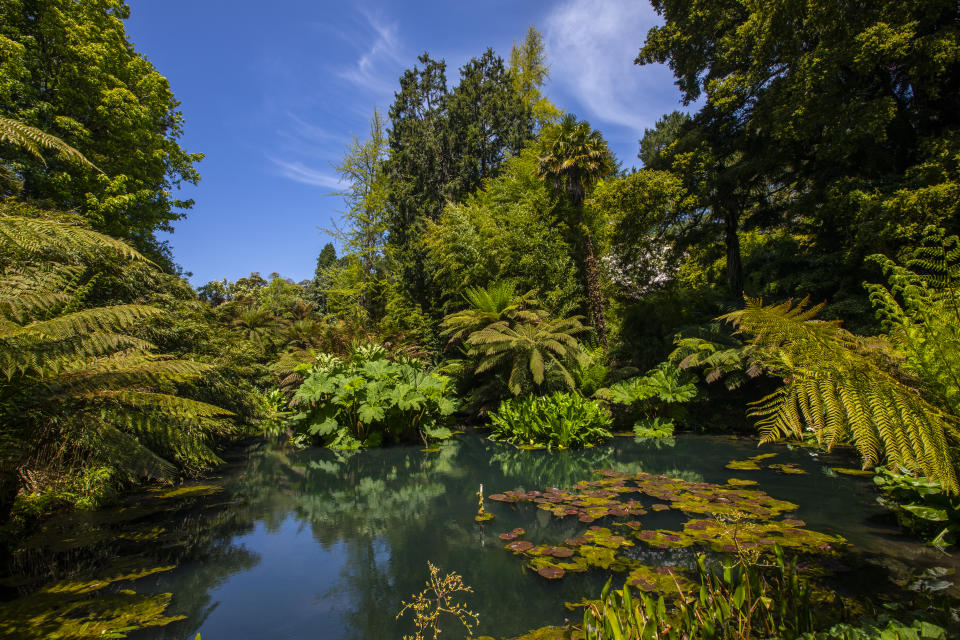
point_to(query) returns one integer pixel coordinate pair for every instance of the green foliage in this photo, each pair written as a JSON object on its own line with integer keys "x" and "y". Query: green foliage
{"x": 573, "y": 157}
{"x": 561, "y": 420}
{"x": 718, "y": 353}
{"x": 79, "y": 374}
{"x": 507, "y": 231}
{"x": 845, "y": 387}
{"x": 921, "y": 505}
{"x": 497, "y": 302}
{"x": 367, "y": 400}
{"x": 534, "y": 354}
{"x": 881, "y": 629}
{"x": 656, "y": 427}
{"x": 32, "y": 139}
{"x": 70, "y": 71}
{"x": 742, "y": 603}
{"x": 529, "y": 72}
{"x": 654, "y": 398}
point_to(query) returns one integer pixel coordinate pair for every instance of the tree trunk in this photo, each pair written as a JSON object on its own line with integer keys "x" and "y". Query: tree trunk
{"x": 594, "y": 290}
{"x": 734, "y": 262}
{"x": 9, "y": 487}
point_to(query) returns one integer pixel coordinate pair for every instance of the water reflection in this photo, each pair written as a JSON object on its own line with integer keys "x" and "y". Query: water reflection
{"x": 306, "y": 544}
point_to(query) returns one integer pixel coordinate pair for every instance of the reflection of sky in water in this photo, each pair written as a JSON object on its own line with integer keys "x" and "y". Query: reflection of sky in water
{"x": 331, "y": 544}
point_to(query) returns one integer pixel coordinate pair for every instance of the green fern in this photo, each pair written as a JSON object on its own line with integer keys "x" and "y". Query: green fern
{"x": 530, "y": 350}
{"x": 33, "y": 140}
{"x": 77, "y": 385}
{"x": 496, "y": 302}
{"x": 843, "y": 387}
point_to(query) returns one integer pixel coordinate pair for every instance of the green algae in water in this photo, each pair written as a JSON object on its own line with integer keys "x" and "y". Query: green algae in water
{"x": 189, "y": 491}
{"x": 77, "y": 610}
{"x": 743, "y": 465}
{"x": 737, "y": 482}
{"x": 791, "y": 469}
{"x": 857, "y": 473}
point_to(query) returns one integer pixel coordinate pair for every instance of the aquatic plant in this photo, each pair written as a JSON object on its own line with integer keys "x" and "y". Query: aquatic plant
{"x": 362, "y": 402}
{"x": 562, "y": 420}
{"x": 743, "y": 602}
{"x": 85, "y": 609}
{"x": 921, "y": 505}
{"x": 438, "y": 600}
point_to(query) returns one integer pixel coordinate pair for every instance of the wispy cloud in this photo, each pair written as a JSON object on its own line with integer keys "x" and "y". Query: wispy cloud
{"x": 375, "y": 69}
{"x": 299, "y": 172}
{"x": 591, "y": 45}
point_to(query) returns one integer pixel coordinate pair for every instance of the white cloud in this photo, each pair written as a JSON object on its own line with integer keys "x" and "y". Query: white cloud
{"x": 591, "y": 46}
{"x": 299, "y": 172}
{"x": 375, "y": 69}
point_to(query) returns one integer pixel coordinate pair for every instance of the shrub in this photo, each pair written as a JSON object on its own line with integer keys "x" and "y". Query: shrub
{"x": 562, "y": 420}
{"x": 654, "y": 399}
{"x": 368, "y": 400}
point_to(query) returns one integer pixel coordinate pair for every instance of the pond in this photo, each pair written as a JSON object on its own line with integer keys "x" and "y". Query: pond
{"x": 319, "y": 544}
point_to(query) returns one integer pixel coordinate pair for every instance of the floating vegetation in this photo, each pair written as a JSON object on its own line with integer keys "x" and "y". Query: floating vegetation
{"x": 743, "y": 465}
{"x": 79, "y": 609}
{"x": 858, "y": 473}
{"x": 750, "y": 464}
{"x": 189, "y": 491}
{"x": 789, "y": 468}
{"x": 723, "y": 519}
{"x": 662, "y": 579}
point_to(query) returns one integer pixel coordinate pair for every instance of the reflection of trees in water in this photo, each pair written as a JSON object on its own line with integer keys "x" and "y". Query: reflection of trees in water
{"x": 390, "y": 510}
{"x": 370, "y": 496}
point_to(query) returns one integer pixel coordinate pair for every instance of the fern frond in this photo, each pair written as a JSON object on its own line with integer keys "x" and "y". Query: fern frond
{"x": 37, "y": 237}
{"x": 33, "y": 140}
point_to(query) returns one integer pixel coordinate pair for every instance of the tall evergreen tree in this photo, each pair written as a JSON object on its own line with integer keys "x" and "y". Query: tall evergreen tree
{"x": 488, "y": 120}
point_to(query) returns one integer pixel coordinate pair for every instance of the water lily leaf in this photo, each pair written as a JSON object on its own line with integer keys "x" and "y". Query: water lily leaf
{"x": 737, "y": 482}
{"x": 551, "y": 572}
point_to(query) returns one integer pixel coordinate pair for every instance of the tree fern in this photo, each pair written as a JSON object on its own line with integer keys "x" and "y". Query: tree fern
{"x": 76, "y": 378}
{"x": 33, "y": 140}
{"x": 844, "y": 387}
{"x": 529, "y": 350}
{"x": 496, "y": 302}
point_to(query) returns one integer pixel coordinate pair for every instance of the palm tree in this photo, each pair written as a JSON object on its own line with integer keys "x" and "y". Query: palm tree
{"x": 573, "y": 157}
{"x": 77, "y": 386}
{"x": 496, "y": 302}
{"x": 535, "y": 348}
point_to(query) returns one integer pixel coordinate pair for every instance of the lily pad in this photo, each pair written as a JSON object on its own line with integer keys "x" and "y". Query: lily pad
{"x": 737, "y": 482}
{"x": 551, "y": 572}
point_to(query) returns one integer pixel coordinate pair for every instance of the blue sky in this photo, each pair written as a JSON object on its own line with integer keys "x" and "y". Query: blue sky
{"x": 272, "y": 92}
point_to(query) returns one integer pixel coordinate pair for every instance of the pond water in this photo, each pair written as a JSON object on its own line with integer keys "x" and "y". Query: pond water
{"x": 317, "y": 544}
